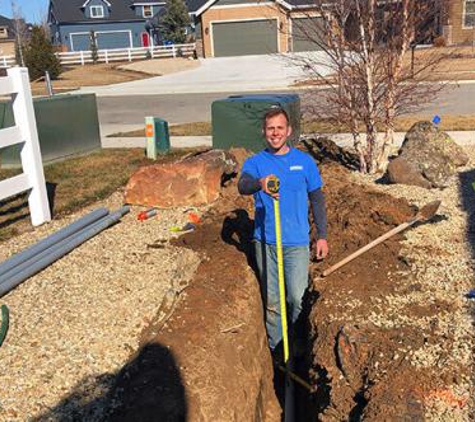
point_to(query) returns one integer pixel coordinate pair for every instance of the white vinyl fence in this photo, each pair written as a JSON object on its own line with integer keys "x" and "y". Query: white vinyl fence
{"x": 117, "y": 54}
{"x": 7, "y": 61}
{"x": 17, "y": 85}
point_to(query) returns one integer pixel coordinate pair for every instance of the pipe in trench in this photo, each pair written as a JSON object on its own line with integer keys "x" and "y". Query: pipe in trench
{"x": 65, "y": 247}
{"x": 51, "y": 240}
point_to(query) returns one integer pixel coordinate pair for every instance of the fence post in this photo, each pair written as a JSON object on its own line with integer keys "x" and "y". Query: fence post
{"x": 130, "y": 54}
{"x": 173, "y": 51}
{"x": 152, "y": 53}
{"x": 106, "y": 56}
{"x": 30, "y": 154}
{"x": 4, "y": 61}
{"x": 82, "y": 58}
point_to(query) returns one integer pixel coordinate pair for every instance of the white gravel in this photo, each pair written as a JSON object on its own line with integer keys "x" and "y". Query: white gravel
{"x": 79, "y": 319}
{"x": 442, "y": 263}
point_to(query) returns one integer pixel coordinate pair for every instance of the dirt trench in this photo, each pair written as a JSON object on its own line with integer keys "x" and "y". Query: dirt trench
{"x": 210, "y": 362}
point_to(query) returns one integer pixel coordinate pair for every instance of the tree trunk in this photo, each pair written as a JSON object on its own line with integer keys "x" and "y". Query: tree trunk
{"x": 385, "y": 151}
{"x": 360, "y": 150}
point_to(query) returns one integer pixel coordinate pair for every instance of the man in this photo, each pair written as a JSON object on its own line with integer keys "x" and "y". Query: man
{"x": 299, "y": 181}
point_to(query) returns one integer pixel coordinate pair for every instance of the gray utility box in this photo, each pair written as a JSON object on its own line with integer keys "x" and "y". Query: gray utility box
{"x": 237, "y": 120}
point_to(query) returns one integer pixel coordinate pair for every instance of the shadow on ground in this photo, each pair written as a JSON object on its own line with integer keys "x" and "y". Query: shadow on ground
{"x": 148, "y": 388}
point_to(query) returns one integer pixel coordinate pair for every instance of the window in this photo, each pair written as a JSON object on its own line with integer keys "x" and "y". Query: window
{"x": 147, "y": 11}
{"x": 469, "y": 15}
{"x": 97, "y": 11}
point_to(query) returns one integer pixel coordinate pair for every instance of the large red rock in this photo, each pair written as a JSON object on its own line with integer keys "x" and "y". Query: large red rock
{"x": 194, "y": 181}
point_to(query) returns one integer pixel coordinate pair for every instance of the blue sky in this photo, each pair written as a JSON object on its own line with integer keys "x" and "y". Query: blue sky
{"x": 31, "y": 9}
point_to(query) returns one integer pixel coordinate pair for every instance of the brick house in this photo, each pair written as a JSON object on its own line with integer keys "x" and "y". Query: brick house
{"x": 458, "y": 22}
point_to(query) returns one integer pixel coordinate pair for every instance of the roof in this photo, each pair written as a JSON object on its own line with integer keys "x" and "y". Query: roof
{"x": 71, "y": 10}
{"x": 146, "y": 2}
{"x": 197, "y": 7}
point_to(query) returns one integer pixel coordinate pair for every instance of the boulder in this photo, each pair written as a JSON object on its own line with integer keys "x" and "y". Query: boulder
{"x": 195, "y": 180}
{"x": 427, "y": 158}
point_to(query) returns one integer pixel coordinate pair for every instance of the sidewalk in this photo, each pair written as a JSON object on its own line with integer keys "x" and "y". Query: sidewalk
{"x": 175, "y": 142}
{"x": 462, "y": 138}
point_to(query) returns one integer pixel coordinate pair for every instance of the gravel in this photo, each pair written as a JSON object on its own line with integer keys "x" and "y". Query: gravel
{"x": 79, "y": 320}
{"x": 441, "y": 261}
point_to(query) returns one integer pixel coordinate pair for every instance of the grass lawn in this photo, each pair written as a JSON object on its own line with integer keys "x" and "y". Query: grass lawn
{"x": 75, "y": 183}
{"x": 403, "y": 124}
{"x": 75, "y": 77}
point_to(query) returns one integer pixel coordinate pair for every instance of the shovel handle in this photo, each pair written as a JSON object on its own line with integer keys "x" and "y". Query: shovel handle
{"x": 369, "y": 246}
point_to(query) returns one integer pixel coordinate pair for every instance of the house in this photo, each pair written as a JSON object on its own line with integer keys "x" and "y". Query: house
{"x": 7, "y": 37}
{"x": 239, "y": 27}
{"x": 458, "y": 22}
{"x": 115, "y": 23}
{"x": 242, "y": 27}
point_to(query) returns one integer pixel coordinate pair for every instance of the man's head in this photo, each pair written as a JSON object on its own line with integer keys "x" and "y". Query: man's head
{"x": 277, "y": 129}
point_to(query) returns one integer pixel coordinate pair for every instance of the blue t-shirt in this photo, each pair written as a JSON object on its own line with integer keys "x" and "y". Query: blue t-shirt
{"x": 298, "y": 175}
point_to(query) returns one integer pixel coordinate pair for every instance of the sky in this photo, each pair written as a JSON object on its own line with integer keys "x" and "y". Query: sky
{"x": 31, "y": 9}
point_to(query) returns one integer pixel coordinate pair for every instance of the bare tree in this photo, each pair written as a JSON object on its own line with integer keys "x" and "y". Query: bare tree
{"x": 20, "y": 30}
{"x": 368, "y": 78}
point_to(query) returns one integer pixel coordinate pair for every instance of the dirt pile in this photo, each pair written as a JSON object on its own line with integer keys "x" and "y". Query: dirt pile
{"x": 361, "y": 352}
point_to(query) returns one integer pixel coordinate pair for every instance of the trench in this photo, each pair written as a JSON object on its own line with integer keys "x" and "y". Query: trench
{"x": 214, "y": 363}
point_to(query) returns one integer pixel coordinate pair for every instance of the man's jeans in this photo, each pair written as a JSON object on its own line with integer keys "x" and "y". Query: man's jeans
{"x": 296, "y": 260}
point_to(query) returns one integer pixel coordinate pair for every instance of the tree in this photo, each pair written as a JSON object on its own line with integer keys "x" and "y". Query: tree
{"x": 20, "y": 31}
{"x": 93, "y": 47}
{"x": 174, "y": 21}
{"x": 39, "y": 55}
{"x": 372, "y": 83}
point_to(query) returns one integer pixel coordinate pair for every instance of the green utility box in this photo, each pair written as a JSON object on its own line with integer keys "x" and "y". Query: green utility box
{"x": 68, "y": 125}
{"x": 158, "y": 138}
{"x": 237, "y": 120}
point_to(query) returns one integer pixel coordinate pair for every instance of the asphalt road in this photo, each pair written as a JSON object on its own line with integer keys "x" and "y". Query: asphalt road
{"x": 182, "y": 108}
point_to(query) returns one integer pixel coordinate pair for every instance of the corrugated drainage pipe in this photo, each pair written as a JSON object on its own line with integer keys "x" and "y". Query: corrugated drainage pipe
{"x": 51, "y": 240}
{"x": 66, "y": 247}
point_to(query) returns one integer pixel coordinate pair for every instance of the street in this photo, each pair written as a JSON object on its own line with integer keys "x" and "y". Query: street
{"x": 183, "y": 108}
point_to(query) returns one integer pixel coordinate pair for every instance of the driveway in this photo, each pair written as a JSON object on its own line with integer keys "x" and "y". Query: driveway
{"x": 226, "y": 74}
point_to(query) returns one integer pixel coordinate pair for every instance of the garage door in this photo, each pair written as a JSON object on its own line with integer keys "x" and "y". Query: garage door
{"x": 80, "y": 42}
{"x": 306, "y": 34}
{"x": 116, "y": 39}
{"x": 245, "y": 38}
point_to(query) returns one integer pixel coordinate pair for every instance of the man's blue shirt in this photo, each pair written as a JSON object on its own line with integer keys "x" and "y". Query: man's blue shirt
{"x": 298, "y": 175}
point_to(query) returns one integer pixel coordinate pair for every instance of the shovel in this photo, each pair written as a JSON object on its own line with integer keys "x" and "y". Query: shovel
{"x": 425, "y": 214}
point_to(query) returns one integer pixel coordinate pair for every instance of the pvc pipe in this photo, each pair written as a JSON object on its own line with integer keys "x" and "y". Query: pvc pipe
{"x": 48, "y": 241}
{"x": 66, "y": 247}
{"x": 29, "y": 262}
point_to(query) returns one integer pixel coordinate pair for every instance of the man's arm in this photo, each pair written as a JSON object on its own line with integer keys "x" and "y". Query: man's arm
{"x": 248, "y": 185}
{"x": 317, "y": 200}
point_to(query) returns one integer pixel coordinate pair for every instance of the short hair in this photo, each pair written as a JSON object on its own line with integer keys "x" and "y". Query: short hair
{"x": 275, "y": 111}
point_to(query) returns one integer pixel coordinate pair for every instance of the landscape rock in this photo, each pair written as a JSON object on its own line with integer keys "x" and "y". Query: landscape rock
{"x": 427, "y": 158}
{"x": 195, "y": 180}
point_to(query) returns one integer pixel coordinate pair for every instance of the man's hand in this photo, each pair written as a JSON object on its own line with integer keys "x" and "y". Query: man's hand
{"x": 263, "y": 182}
{"x": 322, "y": 248}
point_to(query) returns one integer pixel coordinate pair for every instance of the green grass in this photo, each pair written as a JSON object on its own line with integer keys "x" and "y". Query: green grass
{"x": 77, "y": 182}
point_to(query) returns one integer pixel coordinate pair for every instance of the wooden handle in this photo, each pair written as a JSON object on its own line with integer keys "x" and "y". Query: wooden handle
{"x": 366, "y": 248}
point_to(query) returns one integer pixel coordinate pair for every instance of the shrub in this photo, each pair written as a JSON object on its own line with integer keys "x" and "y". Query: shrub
{"x": 39, "y": 56}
